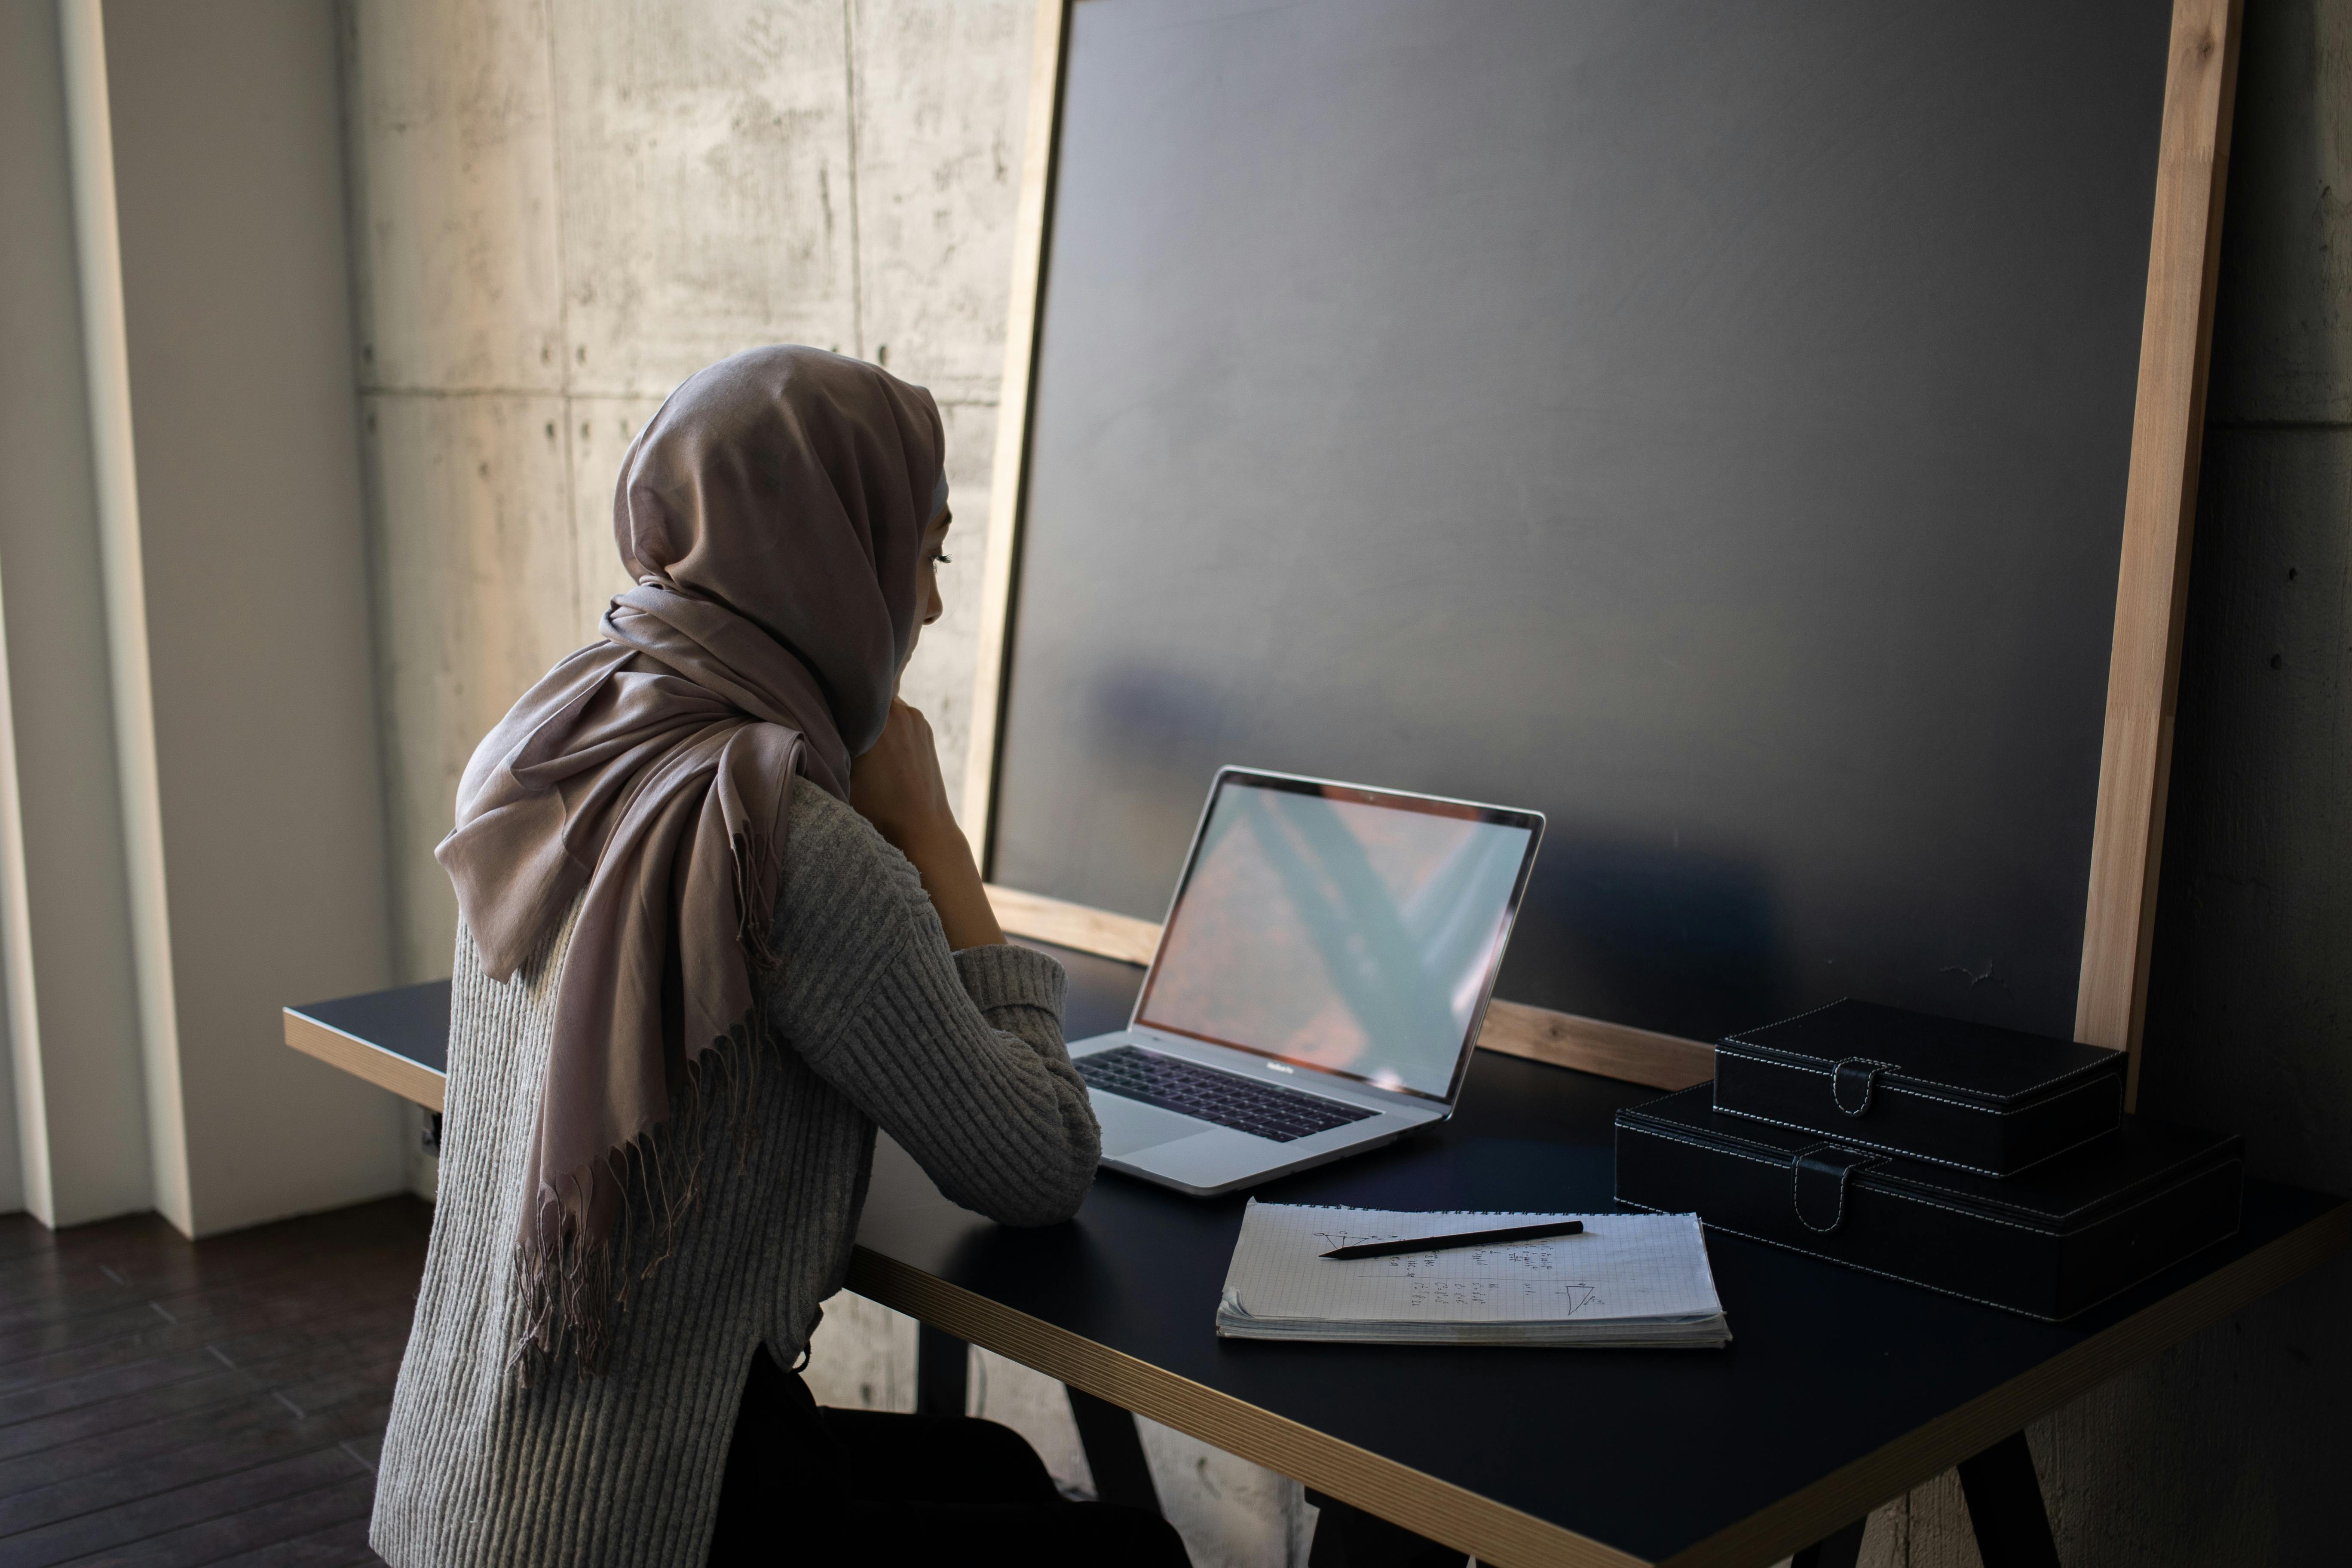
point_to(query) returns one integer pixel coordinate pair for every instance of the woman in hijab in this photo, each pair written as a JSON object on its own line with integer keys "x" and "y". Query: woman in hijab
{"x": 717, "y": 923}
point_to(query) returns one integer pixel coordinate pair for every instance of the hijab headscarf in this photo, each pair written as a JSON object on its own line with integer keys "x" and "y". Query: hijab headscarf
{"x": 772, "y": 514}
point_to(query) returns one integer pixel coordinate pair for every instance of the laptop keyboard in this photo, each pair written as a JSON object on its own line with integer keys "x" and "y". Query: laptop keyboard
{"x": 1278, "y": 1115}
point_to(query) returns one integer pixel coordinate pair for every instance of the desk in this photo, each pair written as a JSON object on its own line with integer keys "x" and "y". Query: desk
{"x": 1840, "y": 1391}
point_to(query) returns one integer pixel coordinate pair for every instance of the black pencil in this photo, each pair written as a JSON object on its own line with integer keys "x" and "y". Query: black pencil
{"x": 1466, "y": 1239}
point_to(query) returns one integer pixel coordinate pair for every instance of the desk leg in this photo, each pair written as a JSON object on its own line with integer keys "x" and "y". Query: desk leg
{"x": 1114, "y": 1453}
{"x": 2005, "y": 1506}
{"x": 1841, "y": 1549}
{"x": 942, "y": 1372}
{"x": 1348, "y": 1537}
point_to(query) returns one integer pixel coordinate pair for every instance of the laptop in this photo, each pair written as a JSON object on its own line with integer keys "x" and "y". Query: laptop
{"x": 1321, "y": 980}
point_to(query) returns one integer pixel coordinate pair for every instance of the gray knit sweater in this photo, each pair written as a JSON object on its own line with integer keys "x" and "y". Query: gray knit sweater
{"x": 958, "y": 1055}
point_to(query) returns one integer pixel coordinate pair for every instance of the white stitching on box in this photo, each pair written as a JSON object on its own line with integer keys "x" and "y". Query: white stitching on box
{"x": 1909, "y": 1196}
{"x": 1946, "y": 1291}
{"x": 1765, "y": 1056}
{"x": 1743, "y": 1040}
{"x": 1930, "y": 1159}
{"x": 1866, "y": 1269}
{"x": 1786, "y": 1065}
{"x": 1796, "y": 1176}
{"x": 1888, "y": 1191}
{"x": 1869, "y": 1082}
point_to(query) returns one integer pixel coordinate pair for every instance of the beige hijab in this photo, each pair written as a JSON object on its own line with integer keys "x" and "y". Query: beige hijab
{"x": 772, "y": 514}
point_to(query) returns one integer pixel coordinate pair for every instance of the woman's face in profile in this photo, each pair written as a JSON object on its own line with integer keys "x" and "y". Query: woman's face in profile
{"x": 927, "y": 578}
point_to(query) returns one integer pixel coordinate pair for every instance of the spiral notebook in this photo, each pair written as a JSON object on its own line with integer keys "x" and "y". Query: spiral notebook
{"x": 1629, "y": 1281}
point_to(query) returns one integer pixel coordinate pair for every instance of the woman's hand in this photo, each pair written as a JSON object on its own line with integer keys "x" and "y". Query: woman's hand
{"x": 896, "y": 787}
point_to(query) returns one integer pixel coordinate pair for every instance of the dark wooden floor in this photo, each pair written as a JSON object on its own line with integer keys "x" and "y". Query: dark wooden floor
{"x": 170, "y": 1402}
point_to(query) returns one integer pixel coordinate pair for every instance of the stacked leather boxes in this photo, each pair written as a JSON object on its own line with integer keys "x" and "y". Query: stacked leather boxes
{"x": 1982, "y": 1161}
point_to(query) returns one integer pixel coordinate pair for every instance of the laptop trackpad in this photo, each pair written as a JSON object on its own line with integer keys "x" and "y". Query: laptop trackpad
{"x": 1130, "y": 1126}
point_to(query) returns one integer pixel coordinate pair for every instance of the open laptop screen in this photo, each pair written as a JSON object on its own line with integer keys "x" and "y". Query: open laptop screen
{"x": 1350, "y": 930}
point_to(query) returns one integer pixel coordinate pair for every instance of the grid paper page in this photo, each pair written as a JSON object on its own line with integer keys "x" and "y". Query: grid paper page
{"x": 1623, "y": 1266}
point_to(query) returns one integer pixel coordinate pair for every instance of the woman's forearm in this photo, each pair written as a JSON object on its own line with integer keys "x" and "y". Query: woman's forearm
{"x": 943, "y": 859}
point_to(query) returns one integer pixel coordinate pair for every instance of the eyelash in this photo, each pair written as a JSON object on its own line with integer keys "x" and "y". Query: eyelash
{"x": 942, "y": 559}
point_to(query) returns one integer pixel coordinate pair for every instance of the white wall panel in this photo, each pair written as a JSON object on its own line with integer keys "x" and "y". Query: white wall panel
{"x": 239, "y": 593}
{"x": 72, "y": 992}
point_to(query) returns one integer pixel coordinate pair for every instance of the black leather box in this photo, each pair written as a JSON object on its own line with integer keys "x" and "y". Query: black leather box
{"x": 2061, "y": 1237}
{"x": 1995, "y": 1101}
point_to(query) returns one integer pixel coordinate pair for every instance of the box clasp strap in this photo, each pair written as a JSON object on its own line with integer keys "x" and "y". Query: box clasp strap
{"x": 1817, "y": 1183}
{"x": 1851, "y": 1082}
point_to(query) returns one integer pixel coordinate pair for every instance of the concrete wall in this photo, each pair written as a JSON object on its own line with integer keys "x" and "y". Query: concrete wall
{"x": 560, "y": 212}
{"x": 560, "y": 209}
{"x": 2231, "y": 1448}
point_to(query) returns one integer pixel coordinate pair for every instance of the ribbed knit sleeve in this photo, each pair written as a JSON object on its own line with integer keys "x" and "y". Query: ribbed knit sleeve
{"x": 957, "y": 1056}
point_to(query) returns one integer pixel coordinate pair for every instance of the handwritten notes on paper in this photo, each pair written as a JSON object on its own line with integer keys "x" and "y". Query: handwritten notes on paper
{"x": 1629, "y": 1280}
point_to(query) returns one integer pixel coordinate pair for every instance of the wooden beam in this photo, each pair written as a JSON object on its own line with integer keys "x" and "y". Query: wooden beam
{"x": 1081, "y": 926}
{"x": 2160, "y": 516}
{"x": 1513, "y": 1028}
{"x": 1596, "y": 1046}
{"x": 1005, "y": 487}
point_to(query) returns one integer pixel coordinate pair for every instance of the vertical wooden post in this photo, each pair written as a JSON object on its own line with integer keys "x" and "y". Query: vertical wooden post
{"x": 2159, "y": 514}
{"x": 942, "y": 1373}
{"x": 1029, "y": 231}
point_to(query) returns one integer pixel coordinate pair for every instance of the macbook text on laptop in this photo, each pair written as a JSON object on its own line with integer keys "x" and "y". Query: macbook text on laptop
{"x": 1320, "y": 983}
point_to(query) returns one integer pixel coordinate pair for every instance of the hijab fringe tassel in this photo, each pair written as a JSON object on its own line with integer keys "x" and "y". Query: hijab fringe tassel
{"x": 572, "y": 1285}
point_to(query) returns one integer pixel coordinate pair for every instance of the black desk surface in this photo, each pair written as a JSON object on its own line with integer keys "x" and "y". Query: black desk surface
{"x": 411, "y": 1021}
{"x": 1839, "y": 1388}
{"x": 1651, "y": 1452}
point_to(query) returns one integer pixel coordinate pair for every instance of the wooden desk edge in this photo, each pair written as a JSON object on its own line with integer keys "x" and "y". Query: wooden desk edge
{"x": 1491, "y": 1531}
{"x": 385, "y": 1070}
{"x": 1496, "y": 1533}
